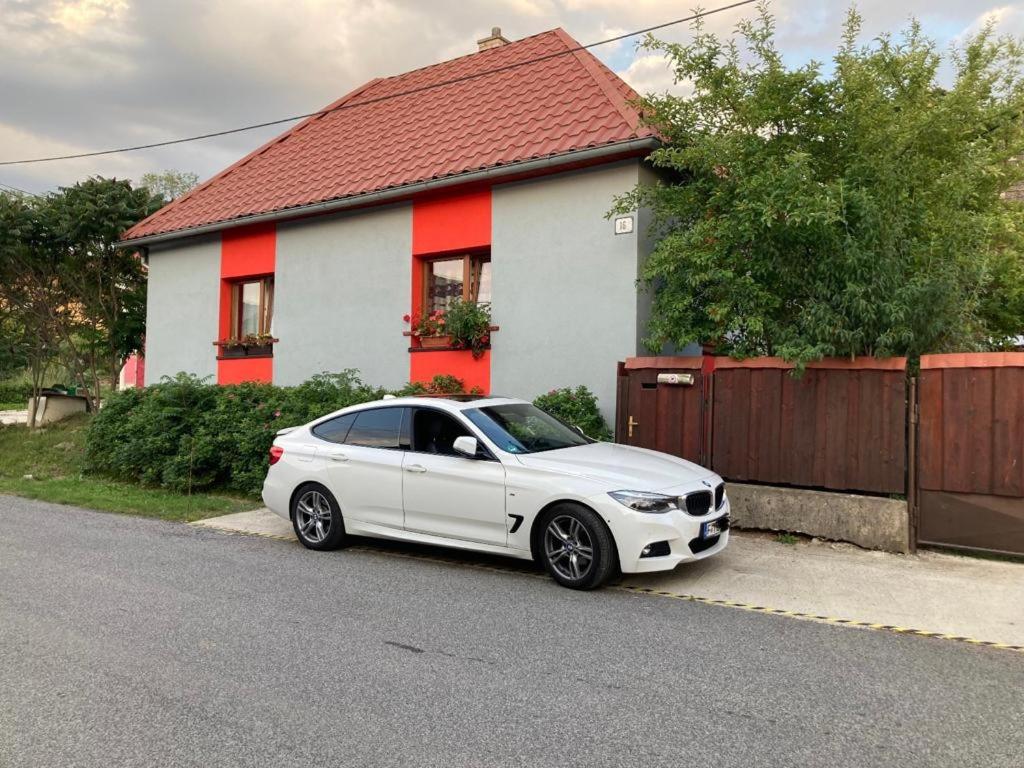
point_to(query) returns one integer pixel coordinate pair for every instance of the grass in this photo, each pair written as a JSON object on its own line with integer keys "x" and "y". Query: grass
{"x": 786, "y": 538}
{"x": 12, "y": 406}
{"x": 46, "y": 464}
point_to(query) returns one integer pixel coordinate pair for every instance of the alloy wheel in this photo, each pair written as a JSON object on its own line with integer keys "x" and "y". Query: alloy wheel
{"x": 313, "y": 516}
{"x": 568, "y": 547}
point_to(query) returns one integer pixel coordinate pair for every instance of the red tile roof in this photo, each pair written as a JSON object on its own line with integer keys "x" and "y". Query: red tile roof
{"x": 532, "y": 110}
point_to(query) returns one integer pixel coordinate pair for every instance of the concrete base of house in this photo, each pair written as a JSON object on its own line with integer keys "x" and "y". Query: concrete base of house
{"x": 868, "y": 521}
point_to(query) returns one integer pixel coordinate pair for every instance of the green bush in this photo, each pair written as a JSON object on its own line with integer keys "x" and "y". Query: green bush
{"x": 578, "y": 408}
{"x": 15, "y": 392}
{"x": 186, "y": 433}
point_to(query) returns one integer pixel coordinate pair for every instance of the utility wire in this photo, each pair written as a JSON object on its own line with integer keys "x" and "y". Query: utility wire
{"x": 365, "y": 102}
{"x": 18, "y": 189}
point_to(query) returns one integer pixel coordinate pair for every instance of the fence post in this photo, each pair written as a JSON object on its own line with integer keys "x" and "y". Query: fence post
{"x": 912, "y": 505}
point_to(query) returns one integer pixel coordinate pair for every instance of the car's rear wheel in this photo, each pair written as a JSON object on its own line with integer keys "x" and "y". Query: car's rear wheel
{"x": 576, "y": 547}
{"x": 317, "y": 519}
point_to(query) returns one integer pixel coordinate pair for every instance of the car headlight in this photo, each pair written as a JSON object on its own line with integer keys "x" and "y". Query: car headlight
{"x": 644, "y": 501}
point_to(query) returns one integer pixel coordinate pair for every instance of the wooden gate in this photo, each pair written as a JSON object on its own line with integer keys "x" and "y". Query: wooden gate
{"x": 666, "y": 415}
{"x": 971, "y": 451}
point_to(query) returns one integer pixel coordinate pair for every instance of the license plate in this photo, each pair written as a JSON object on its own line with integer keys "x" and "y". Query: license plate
{"x": 713, "y": 528}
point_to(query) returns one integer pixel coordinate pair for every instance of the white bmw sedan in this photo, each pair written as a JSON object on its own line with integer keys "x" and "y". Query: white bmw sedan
{"x": 494, "y": 475}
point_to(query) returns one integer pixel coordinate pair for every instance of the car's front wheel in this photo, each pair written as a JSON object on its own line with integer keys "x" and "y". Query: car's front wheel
{"x": 576, "y": 547}
{"x": 317, "y": 519}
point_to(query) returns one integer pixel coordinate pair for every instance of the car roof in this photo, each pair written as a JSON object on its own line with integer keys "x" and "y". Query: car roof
{"x": 445, "y": 402}
{"x": 451, "y": 402}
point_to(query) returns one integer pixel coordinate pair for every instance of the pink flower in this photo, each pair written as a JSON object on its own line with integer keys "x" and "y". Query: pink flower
{"x": 277, "y": 414}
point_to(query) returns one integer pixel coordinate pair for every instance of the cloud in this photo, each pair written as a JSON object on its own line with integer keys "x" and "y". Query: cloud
{"x": 652, "y": 73}
{"x": 93, "y": 74}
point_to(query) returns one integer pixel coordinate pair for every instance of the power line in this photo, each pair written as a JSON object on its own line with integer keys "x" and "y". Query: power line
{"x": 365, "y": 102}
{"x": 18, "y": 189}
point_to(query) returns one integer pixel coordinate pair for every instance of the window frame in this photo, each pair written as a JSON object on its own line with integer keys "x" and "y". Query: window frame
{"x": 266, "y": 305}
{"x": 472, "y": 270}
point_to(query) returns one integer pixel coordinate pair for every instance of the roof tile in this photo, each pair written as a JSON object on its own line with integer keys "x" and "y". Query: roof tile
{"x": 537, "y": 108}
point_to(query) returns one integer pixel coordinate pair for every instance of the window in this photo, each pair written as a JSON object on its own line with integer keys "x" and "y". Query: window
{"x": 252, "y": 307}
{"x": 523, "y": 428}
{"x": 335, "y": 430}
{"x": 435, "y": 432}
{"x": 460, "y": 277}
{"x": 378, "y": 428}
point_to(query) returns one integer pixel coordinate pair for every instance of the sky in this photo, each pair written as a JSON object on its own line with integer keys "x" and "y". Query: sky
{"x": 84, "y": 75}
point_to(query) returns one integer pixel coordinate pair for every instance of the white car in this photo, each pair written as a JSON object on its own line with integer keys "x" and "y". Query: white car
{"x": 496, "y": 475}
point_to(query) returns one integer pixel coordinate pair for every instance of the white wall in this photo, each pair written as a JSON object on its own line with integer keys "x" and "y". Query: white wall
{"x": 183, "y": 300}
{"x": 565, "y": 291}
{"x": 341, "y": 287}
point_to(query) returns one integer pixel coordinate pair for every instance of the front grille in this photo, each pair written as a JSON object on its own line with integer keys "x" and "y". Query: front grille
{"x": 698, "y": 503}
{"x": 719, "y": 495}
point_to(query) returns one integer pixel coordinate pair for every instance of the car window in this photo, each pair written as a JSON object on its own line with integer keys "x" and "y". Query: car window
{"x": 523, "y": 428}
{"x": 435, "y": 432}
{"x": 376, "y": 428}
{"x": 335, "y": 430}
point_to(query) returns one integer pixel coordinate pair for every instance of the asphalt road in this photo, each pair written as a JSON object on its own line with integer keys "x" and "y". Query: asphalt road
{"x": 133, "y": 642}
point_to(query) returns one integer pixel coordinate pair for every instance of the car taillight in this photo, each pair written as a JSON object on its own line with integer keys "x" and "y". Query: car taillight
{"x": 276, "y": 452}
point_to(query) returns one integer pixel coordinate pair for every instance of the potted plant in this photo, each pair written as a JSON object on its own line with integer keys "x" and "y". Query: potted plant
{"x": 469, "y": 325}
{"x": 251, "y": 345}
{"x": 430, "y": 329}
{"x": 464, "y": 325}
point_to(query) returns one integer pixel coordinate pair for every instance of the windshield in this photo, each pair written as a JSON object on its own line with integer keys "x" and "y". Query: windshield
{"x": 523, "y": 428}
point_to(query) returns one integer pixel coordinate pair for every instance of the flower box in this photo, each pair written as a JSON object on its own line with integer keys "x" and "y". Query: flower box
{"x": 435, "y": 342}
{"x": 261, "y": 350}
{"x": 250, "y": 346}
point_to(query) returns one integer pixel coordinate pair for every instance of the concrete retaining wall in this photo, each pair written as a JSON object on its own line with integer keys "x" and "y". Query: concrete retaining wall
{"x": 868, "y": 521}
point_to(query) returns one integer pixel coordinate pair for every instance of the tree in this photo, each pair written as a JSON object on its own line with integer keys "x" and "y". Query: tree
{"x": 67, "y": 282}
{"x": 169, "y": 184}
{"x": 856, "y": 210}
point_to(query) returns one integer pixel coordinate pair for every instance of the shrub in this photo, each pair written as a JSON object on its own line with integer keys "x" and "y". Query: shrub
{"x": 15, "y": 392}
{"x": 186, "y": 433}
{"x": 578, "y": 408}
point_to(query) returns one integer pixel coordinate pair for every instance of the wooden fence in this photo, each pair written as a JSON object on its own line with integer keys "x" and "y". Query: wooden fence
{"x": 971, "y": 451}
{"x": 853, "y": 426}
{"x": 841, "y": 425}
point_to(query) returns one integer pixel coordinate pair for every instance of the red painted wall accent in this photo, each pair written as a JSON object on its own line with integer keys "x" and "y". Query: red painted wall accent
{"x": 244, "y": 252}
{"x": 458, "y": 222}
{"x": 446, "y": 224}
{"x": 248, "y": 251}
{"x": 240, "y": 369}
{"x": 423, "y": 366}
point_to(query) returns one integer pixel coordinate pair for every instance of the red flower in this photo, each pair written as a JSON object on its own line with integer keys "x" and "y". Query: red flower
{"x": 406, "y": 318}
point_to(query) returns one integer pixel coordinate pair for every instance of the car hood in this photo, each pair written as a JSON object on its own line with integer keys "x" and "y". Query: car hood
{"x": 619, "y": 467}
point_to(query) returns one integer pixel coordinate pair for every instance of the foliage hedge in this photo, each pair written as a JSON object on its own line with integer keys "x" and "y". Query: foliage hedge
{"x": 577, "y": 407}
{"x": 186, "y": 433}
{"x": 15, "y": 392}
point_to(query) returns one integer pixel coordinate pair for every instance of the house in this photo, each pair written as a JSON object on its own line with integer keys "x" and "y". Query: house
{"x": 489, "y": 176}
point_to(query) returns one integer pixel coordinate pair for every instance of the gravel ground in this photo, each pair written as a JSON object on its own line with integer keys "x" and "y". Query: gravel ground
{"x": 126, "y": 641}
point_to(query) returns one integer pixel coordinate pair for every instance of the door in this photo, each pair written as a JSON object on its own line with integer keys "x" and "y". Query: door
{"x": 365, "y": 466}
{"x": 446, "y": 494}
{"x": 667, "y": 415}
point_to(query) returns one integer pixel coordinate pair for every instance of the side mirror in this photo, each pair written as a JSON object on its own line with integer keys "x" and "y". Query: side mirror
{"x": 466, "y": 446}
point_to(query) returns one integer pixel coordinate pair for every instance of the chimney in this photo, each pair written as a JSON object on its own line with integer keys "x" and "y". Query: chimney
{"x": 496, "y": 40}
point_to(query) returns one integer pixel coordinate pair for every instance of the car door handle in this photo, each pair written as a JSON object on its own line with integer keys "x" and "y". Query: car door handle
{"x": 415, "y": 468}
{"x": 338, "y": 457}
